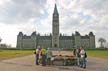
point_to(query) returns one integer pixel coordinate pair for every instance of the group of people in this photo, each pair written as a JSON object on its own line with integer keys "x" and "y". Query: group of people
{"x": 43, "y": 56}
{"x": 81, "y": 57}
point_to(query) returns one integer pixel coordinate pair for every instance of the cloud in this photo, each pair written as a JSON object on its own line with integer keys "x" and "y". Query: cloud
{"x": 21, "y": 11}
{"x": 84, "y": 16}
{"x": 8, "y": 33}
{"x": 75, "y": 15}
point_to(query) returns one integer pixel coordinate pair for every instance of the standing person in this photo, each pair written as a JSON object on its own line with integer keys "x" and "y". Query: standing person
{"x": 40, "y": 56}
{"x": 37, "y": 55}
{"x": 83, "y": 58}
{"x": 78, "y": 56}
{"x": 43, "y": 57}
{"x": 49, "y": 55}
{"x": 74, "y": 51}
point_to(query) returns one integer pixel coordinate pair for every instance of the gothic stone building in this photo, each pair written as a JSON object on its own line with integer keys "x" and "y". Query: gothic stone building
{"x": 55, "y": 40}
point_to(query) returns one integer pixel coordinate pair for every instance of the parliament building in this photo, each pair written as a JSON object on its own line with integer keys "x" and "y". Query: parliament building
{"x": 55, "y": 40}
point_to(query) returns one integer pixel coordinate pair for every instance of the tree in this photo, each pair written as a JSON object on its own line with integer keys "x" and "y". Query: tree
{"x": 107, "y": 45}
{"x": 102, "y": 42}
{"x": 0, "y": 41}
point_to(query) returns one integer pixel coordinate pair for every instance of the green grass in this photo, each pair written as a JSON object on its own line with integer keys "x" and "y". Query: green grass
{"x": 98, "y": 53}
{"x": 7, "y": 54}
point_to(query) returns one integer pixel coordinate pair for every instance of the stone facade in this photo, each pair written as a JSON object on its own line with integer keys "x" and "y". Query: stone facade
{"x": 55, "y": 40}
{"x": 27, "y": 42}
{"x": 23, "y": 41}
{"x": 55, "y": 29}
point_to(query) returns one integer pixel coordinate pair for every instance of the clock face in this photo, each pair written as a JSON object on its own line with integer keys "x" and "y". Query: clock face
{"x": 55, "y": 18}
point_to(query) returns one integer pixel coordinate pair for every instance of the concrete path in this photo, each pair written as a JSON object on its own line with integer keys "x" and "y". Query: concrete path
{"x": 27, "y": 64}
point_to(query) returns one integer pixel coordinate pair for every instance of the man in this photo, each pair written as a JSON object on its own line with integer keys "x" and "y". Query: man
{"x": 49, "y": 55}
{"x": 74, "y": 50}
{"x": 37, "y": 55}
{"x": 78, "y": 56}
{"x": 40, "y": 56}
{"x": 83, "y": 58}
{"x": 43, "y": 56}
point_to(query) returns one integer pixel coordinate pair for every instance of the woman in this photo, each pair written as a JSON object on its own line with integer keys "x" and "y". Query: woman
{"x": 83, "y": 58}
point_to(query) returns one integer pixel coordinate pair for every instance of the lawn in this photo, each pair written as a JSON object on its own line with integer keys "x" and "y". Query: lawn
{"x": 7, "y": 54}
{"x": 98, "y": 53}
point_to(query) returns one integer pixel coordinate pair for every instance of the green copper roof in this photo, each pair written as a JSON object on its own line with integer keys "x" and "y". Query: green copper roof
{"x": 55, "y": 9}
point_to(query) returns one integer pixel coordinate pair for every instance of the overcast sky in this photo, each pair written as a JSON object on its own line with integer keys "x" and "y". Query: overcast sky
{"x": 36, "y": 15}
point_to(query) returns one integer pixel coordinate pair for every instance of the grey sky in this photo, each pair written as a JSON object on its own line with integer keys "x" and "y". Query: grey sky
{"x": 36, "y": 15}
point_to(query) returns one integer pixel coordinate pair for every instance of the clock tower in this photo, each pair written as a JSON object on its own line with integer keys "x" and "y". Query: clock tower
{"x": 55, "y": 28}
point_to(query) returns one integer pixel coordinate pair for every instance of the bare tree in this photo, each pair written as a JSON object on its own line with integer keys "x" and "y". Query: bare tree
{"x": 106, "y": 45}
{"x": 102, "y": 42}
{"x": 0, "y": 41}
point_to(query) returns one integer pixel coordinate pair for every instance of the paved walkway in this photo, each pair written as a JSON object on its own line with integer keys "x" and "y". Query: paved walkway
{"x": 27, "y": 64}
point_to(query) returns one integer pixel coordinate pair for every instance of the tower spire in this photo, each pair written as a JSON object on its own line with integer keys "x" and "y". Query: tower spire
{"x": 55, "y": 28}
{"x": 55, "y": 8}
{"x": 55, "y": 1}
